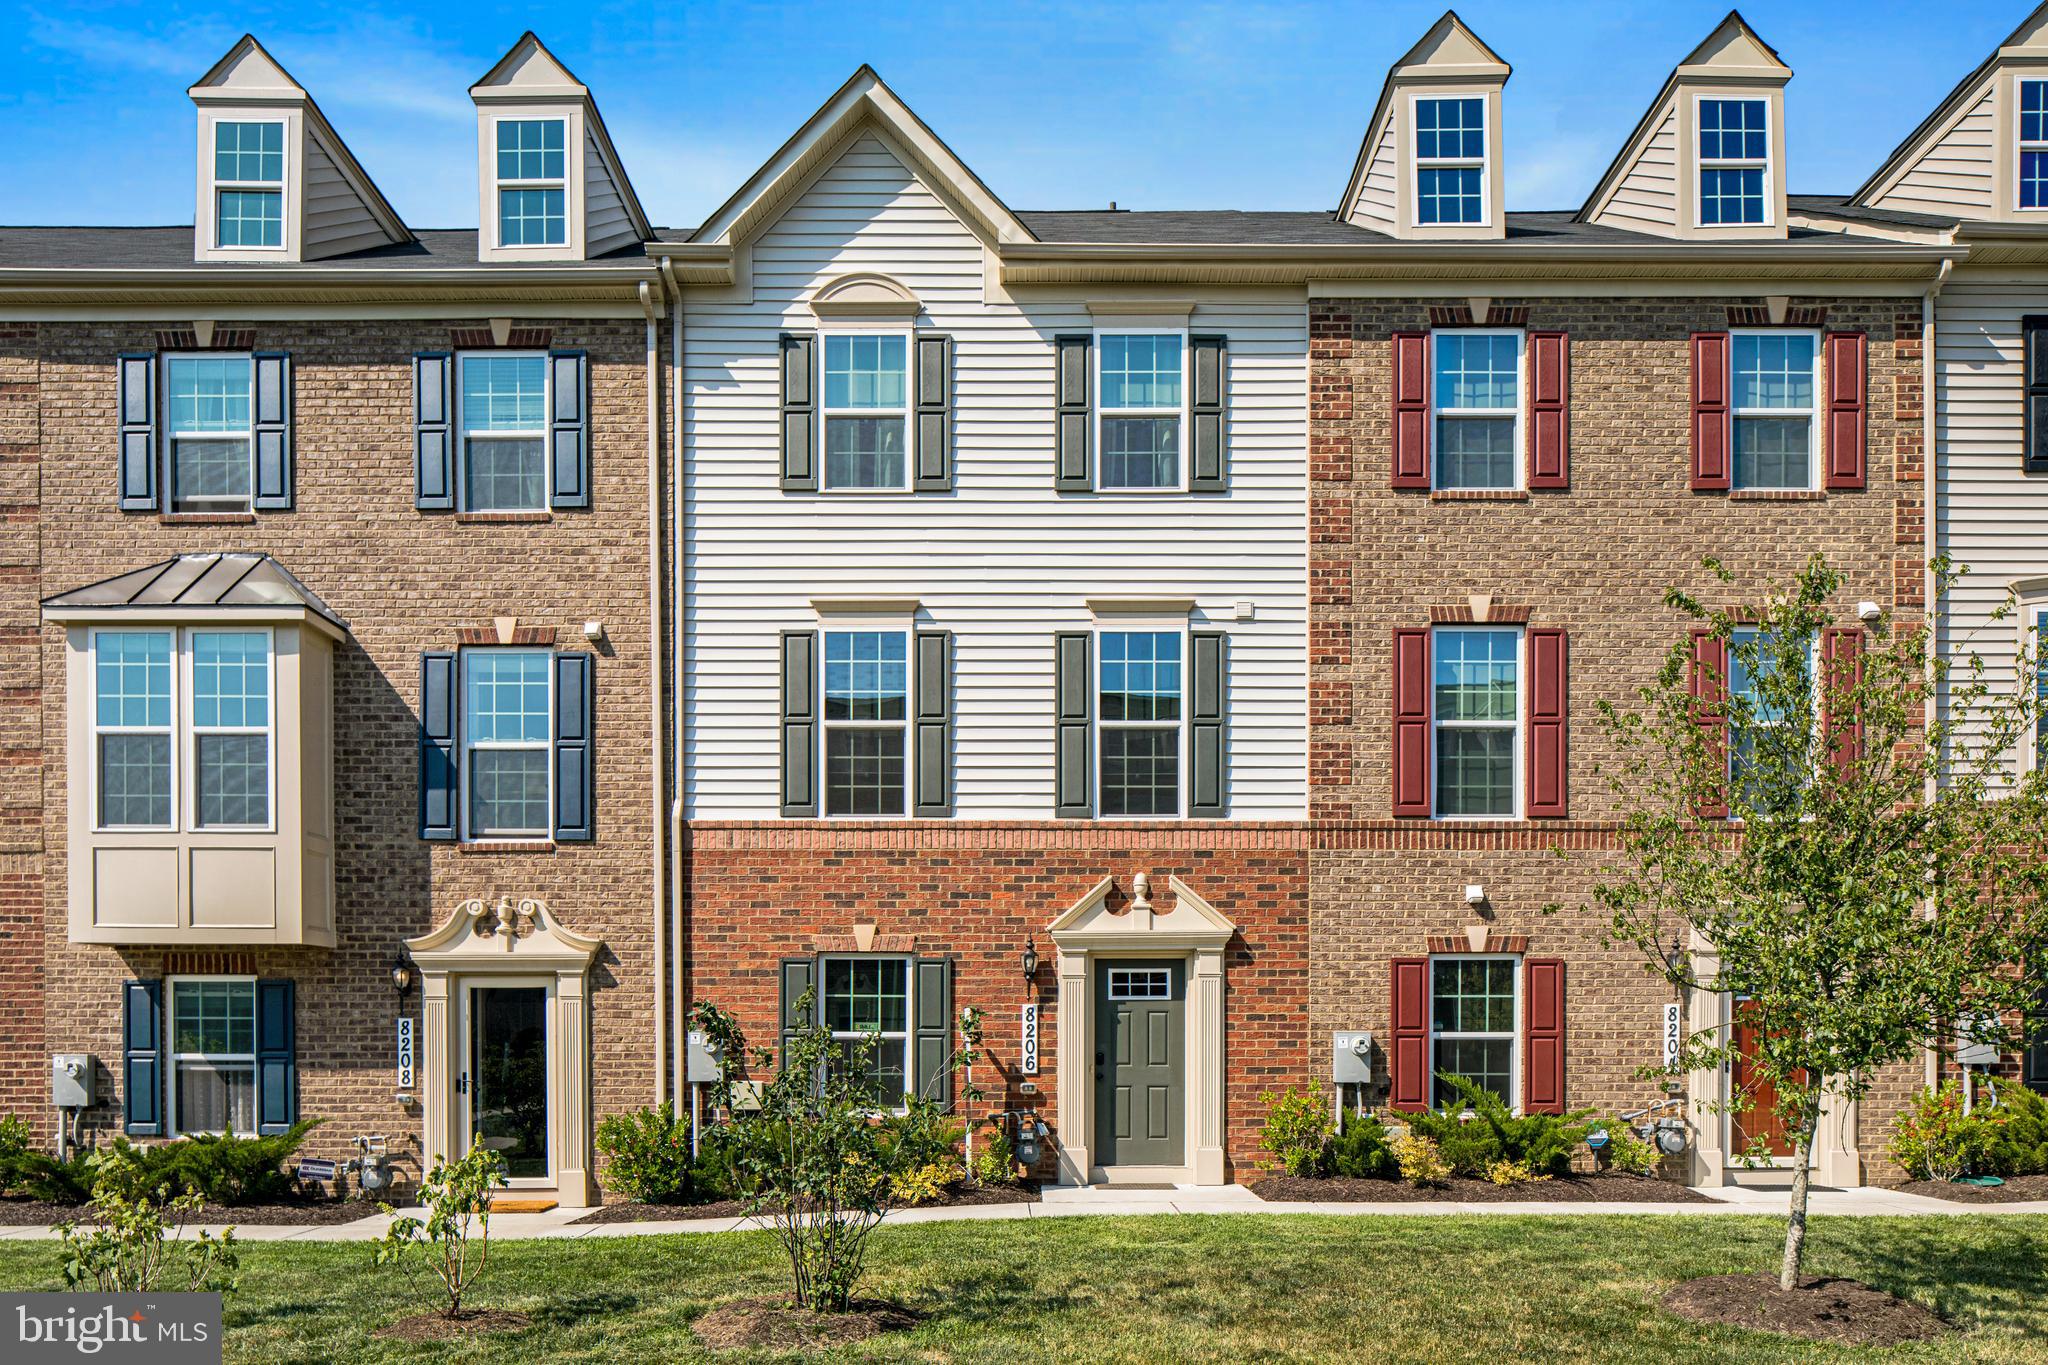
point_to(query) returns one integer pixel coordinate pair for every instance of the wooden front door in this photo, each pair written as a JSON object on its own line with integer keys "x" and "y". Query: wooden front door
{"x": 1759, "y": 1120}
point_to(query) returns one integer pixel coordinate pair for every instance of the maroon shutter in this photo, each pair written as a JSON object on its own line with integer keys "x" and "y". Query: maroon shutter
{"x": 1550, "y": 421}
{"x": 1543, "y": 1036}
{"x": 1411, "y": 722}
{"x": 1408, "y": 1053}
{"x": 1841, "y": 661}
{"x": 1711, "y": 358}
{"x": 1411, "y": 410}
{"x": 1709, "y": 685}
{"x": 1845, "y": 370}
{"x": 1547, "y": 721}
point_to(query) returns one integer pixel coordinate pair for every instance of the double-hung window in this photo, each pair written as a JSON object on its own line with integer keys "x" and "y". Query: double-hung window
{"x": 248, "y": 184}
{"x": 1477, "y": 394}
{"x": 231, "y": 728}
{"x": 1450, "y": 160}
{"x": 1142, "y": 415}
{"x": 867, "y": 689}
{"x": 503, "y": 410}
{"x": 213, "y": 1055}
{"x": 1759, "y": 743}
{"x": 532, "y": 182}
{"x": 132, "y": 728}
{"x": 224, "y": 712}
{"x": 1477, "y": 682}
{"x": 1140, "y": 722}
{"x": 867, "y": 410}
{"x": 2037, "y": 637}
{"x": 2033, "y": 149}
{"x": 868, "y": 998}
{"x": 1734, "y": 157}
{"x": 1472, "y": 1026}
{"x": 207, "y": 421}
{"x": 506, "y": 742}
{"x": 1775, "y": 410}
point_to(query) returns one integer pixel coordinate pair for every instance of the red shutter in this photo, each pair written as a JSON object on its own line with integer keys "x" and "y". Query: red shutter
{"x": 1845, "y": 370}
{"x": 1547, "y": 722}
{"x": 1543, "y": 1035}
{"x": 1550, "y": 419}
{"x": 1408, "y": 1052}
{"x": 1709, "y": 684}
{"x": 1411, "y": 722}
{"x": 1411, "y": 410}
{"x": 1841, "y": 656}
{"x": 1711, "y": 358}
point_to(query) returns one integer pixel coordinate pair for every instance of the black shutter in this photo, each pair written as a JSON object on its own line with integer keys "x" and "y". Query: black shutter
{"x": 568, "y": 430}
{"x": 1206, "y": 793}
{"x": 271, "y": 408}
{"x": 440, "y": 709}
{"x": 933, "y": 738}
{"x": 1074, "y": 415}
{"x": 799, "y": 363}
{"x": 575, "y": 773}
{"x": 1209, "y": 470}
{"x": 2034, "y": 331}
{"x": 934, "y": 1007}
{"x": 277, "y": 1062}
{"x": 1073, "y": 709}
{"x": 799, "y": 723}
{"x": 934, "y": 413}
{"x": 136, "y": 401}
{"x": 433, "y": 432}
{"x": 798, "y": 975}
{"x": 142, "y": 1041}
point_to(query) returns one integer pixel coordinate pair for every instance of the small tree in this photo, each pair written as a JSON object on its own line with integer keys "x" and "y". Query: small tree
{"x": 1871, "y": 883}
{"x": 456, "y": 1194}
{"x": 962, "y": 1063}
{"x": 134, "y": 1240}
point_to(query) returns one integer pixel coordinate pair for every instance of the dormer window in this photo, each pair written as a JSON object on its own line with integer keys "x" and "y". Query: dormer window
{"x": 1450, "y": 160}
{"x": 2034, "y": 144}
{"x": 1734, "y": 139}
{"x": 248, "y": 184}
{"x": 532, "y": 183}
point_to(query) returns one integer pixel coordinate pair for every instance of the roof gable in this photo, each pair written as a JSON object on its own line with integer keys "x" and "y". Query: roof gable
{"x": 248, "y": 71}
{"x": 528, "y": 68}
{"x": 1450, "y": 48}
{"x": 1734, "y": 49}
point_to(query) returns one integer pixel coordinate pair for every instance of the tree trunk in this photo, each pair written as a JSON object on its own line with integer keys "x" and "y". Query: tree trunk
{"x": 1795, "y": 1223}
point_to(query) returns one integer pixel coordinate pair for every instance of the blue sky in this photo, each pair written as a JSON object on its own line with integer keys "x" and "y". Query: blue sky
{"x": 1180, "y": 104}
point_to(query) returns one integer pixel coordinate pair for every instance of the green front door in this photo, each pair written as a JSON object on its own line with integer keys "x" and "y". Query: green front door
{"x": 1140, "y": 1085}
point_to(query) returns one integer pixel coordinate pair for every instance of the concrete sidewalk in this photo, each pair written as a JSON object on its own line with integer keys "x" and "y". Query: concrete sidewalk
{"x": 1099, "y": 1201}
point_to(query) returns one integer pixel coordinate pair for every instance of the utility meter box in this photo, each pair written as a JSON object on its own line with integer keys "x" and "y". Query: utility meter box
{"x": 1351, "y": 1058}
{"x": 703, "y": 1059}
{"x": 71, "y": 1080}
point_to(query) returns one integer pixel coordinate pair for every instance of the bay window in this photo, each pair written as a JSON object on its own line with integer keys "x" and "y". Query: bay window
{"x": 147, "y": 729}
{"x": 132, "y": 728}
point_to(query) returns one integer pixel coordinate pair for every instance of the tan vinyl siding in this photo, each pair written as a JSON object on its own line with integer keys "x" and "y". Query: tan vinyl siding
{"x": 1379, "y": 195}
{"x": 337, "y": 220}
{"x": 1956, "y": 175}
{"x": 605, "y": 224}
{"x": 1646, "y": 199}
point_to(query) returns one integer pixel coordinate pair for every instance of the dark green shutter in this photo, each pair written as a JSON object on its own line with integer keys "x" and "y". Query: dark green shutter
{"x": 1073, "y": 710}
{"x": 2034, "y": 333}
{"x": 799, "y": 723}
{"x": 1207, "y": 451}
{"x": 277, "y": 1060}
{"x": 568, "y": 430}
{"x": 136, "y": 401}
{"x": 2034, "y": 1053}
{"x": 142, "y": 1041}
{"x": 575, "y": 774}
{"x": 433, "y": 432}
{"x": 1206, "y": 794}
{"x": 799, "y": 364}
{"x": 934, "y": 1006}
{"x": 798, "y": 975}
{"x": 271, "y": 411}
{"x": 440, "y": 801}
{"x": 934, "y": 413}
{"x": 934, "y": 724}
{"x": 1074, "y": 415}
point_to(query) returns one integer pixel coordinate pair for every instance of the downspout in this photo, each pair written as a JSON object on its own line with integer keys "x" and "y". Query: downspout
{"x": 1930, "y": 468}
{"x": 677, "y": 601}
{"x": 655, "y": 734}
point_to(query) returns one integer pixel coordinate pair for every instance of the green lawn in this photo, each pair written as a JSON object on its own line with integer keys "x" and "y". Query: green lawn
{"x": 1240, "y": 1288}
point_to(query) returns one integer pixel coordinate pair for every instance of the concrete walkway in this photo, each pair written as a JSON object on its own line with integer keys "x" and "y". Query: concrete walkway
{"x": 1098, "y": 1201}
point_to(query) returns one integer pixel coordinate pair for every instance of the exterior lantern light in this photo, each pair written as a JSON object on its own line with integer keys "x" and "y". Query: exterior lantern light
{"x": 1030, "y": 960}
{"x": 401, "y": 975}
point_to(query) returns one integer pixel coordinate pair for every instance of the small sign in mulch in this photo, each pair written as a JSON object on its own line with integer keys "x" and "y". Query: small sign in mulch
{"x": 2015, "y": 1189}
{"x": 470, "y": 1322}
{"x": 958, "y": 1197}
{"x": 776, "y": 1324}
{"x": 1846, "y": 1312}
{"x": 1604, "y": 1188}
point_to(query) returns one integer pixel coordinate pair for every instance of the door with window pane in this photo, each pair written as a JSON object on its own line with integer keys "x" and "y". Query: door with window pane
{"x": 508, "y": 1076}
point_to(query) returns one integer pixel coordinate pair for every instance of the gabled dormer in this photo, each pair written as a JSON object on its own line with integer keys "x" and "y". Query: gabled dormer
{"x": 1982, "y": 155}
{"x": 549, "y": 182}
{"x": 1707, "y": 162}
{"x": 1430, "y": 166}
{"x": 276, "y": 182}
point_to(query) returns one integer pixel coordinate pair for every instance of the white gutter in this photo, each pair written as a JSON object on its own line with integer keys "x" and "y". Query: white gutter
{"x": 1930, "y": 502}
{"x": 677, "y": 600}
{"x": 654, "y": 718}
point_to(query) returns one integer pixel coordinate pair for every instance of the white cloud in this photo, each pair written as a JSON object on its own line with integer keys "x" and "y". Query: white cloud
{"x": 185, "y": 54}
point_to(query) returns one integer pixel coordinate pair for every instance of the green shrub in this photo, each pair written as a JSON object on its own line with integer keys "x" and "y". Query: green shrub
{"x": 996, "y": 1161}
{"x": 223, "y": 1169}
{"x": 1298, "y": 1127}
{"x": 456, "y": 1194}
{"x": 1362, "y": 1151}
{"x": 1505, "y": 1173}
{"x": 41, "y": 1176}
{"x": 711, "y": 1174}
{"x": 1419, "y": 1161}
{"x": 647, "y": 1154}
{"x": 2020, "y": 1146}
{"x": 925, "y": 1184}
{"x": 133, "y": 1240}
{"x": 1936, "y": 1140}
{"x": 922, "y": 1135}
{"x": 1542, "y": 1142}
{"x": 16, "y": 1146}
{"x": 1628, "y": 1153}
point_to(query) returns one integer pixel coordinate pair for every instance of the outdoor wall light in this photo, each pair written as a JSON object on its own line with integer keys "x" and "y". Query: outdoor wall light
{"x": 1030, "y": 960}
{"x": 401, "y": 975}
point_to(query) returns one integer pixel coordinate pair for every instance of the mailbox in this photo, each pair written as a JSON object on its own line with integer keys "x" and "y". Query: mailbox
{"x": 703, "y": 1059}
{"x": 1351, "y": 1058}
{"x": 71, "y": 1080}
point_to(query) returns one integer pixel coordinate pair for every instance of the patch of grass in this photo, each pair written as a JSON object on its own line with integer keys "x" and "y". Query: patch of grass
{"x": 1231, "y": 1289}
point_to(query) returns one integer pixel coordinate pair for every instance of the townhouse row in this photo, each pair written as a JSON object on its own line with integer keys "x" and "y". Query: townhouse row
{"x": 436, "y": 660}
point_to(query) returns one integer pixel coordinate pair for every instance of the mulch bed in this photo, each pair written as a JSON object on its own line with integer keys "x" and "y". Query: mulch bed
{"x": 778, "y": 1325}
{"x": 1563, "y": 1189}
{"x": 960, "y": 1196}
{"x": 1833, "y": 1310}
{"x": 307, "y": 1213}
{"x": 472, "y": 1322}
{"x": 2015, "y": 1188}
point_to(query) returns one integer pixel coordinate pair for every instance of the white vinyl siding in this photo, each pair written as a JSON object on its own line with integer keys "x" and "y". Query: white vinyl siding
{"x": 1955, "y": 176}
{"x": 1646, "y": 199}
{"x": 1003, "y": 562}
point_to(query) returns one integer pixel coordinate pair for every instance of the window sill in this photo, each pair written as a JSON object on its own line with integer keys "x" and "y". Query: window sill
{"x": 1478, "y": 495}
{"x": 506, "y": 846}
{"x": 502, "y": 518}
{"x": 1777, "y": 495}
{"x": 207, "y": 518}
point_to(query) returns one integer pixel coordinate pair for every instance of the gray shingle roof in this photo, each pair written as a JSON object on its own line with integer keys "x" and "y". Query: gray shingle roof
{"x": 206, "y": 580}
{"x": 1230, "y": 227}
{"x": 1838, "y": 206}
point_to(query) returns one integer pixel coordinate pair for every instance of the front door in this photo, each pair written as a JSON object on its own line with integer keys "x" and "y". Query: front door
{"x": 507, "y": 1080}
{"x": 1758, "y": 1123}
{"x": 1140, "y": 1080}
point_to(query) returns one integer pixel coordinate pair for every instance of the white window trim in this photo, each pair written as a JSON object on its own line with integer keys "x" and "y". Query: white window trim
{"x": 850, "y": 626}
{"x": 171, "y": 437}
{"x": 1702, "y": 164}
{"x": 188, "y": 740}
{"x": 279, "y": 186}
{"x": 1102, "y": 412}
{"x": 2020, "y": 147}
{"x": 2028, "y": 661}
{"x": 1515, "y": 1041}
{"x": 909, "y": 1031}
{"x": 1129, "y": 974}
{"x": 1736, "y": 412}
{"x": 1813, "y": 665}
{"x": 1420, "y": 163}
{"x": 463, "y": 433}
{"x": 546, "y": 746}
{"x": 1521, "y": 726}
{"x": 99, "y": 825}
{"x": 848, "y": 331}
{"x": 1519, "y": 412}
{"x": 1177, "y": 625}
{"x": 173, "y": 1059}
{"x": 499, "y": 185}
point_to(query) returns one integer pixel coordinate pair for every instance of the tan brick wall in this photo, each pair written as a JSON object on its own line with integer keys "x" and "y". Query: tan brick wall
{"x": 23, "y": 1079}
